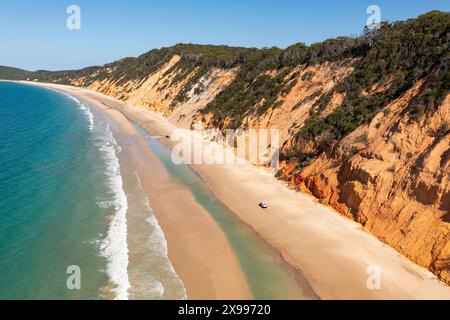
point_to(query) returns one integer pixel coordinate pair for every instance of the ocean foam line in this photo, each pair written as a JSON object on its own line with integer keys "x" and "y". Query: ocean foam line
{"x": 158, "y": 246}
{"x": 85, "y": 109}
{"x": 115, "y": 247}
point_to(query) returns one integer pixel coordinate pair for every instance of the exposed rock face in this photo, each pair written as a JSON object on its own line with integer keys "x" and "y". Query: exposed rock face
{"x": 395, "y": 183}
{"x": 392, "y": 175}
{"x": 366, "y": 147}
{"x": 296, "y": 104}
{"x": 158, "y": 91}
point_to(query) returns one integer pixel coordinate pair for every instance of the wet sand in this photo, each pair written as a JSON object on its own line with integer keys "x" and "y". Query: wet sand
{"x": 331, "y": 252}
{"x": 198, "y": 249}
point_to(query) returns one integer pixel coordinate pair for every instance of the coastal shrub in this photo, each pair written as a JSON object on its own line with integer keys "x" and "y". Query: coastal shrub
{"x": 410, "y": 49}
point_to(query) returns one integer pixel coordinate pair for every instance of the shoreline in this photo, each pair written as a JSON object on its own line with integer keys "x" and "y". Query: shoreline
{"x": 208, "y": 272}
{"x": 202, "y": 277}
{"x": 331, "y": 252}
{"x": 114, "y": 247}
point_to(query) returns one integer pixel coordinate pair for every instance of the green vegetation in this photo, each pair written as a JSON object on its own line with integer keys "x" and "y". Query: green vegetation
{"x": 433, "y": 92}
{"x": 410, "y": 51}
{"x": 307, "y": 76}
{"x": 7, "y": 73}
{"x": 203, "y": 58}
{"x": 396, "y": 56}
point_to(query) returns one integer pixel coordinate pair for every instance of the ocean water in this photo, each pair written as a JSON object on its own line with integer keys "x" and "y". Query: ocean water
{"x": 268, "y": 276}
{"x": 70, "y": 196}
{"x": 66, "y": 193}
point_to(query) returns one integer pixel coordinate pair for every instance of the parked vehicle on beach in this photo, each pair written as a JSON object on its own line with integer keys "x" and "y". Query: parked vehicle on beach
{"x": 263, "y": 205}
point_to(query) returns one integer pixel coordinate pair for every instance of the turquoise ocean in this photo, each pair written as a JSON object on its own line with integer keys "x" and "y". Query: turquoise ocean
{"x": 71, "y": 201}
{"x": 63, "y": 204}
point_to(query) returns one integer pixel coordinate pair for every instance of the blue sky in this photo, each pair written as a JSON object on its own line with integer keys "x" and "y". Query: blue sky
{"x": 33, "y": 34}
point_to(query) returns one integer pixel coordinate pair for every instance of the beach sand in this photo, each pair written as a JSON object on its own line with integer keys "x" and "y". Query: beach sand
{"x": 331, "y": 252}
{"x": 198, "y": 249}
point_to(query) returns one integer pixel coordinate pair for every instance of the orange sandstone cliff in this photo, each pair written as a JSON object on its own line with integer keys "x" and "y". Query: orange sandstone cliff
{"x": 364, "y": 122}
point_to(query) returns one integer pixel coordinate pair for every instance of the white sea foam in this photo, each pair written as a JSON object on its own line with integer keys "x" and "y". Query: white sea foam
{"x": 114, "y": 247}
{"x": 88, "y": 114}
{"x": 105, "y": 204}
{"x": 158, "y": 247}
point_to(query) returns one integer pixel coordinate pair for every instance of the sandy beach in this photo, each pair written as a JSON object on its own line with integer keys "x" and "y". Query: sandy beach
{"x": 198, "y": 248}
{"x": 331, "y": 252}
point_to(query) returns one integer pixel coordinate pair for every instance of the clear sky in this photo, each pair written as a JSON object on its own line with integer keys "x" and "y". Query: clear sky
{"x": 33, "y": 34}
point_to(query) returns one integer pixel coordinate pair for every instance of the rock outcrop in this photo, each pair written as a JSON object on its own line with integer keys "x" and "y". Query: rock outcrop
{"x": 395, "y": 181}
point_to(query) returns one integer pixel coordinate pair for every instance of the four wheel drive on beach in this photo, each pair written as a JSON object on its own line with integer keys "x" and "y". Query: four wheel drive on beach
{"x": 263, "y": 205}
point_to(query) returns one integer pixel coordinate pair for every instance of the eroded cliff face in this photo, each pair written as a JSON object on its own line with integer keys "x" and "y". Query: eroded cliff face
{"x": 158, "y": 91}
{"x": 292, "y": 106}
{"x": 391, "y": 175}
{"x": 363, "y": 122}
